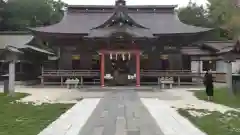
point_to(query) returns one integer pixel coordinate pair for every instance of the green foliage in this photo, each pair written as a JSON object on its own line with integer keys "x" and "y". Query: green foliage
{"x": 2, "y": 4}
{"x": 194, "y": 15}
{"x": 20, "y": 14}
{"x": 219, "y": 14}
{"x": 224, "y": 14}
{"x": 220, "y": 11}
{"x": 26, "y": 119}
{"x": 221, "y": 96}
{"x": 199, "y": 16}
{"x": 215, "y": 123}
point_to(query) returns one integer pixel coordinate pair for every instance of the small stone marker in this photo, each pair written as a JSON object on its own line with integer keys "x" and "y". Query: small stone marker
{"x": 120, "y": 126}
{"x": 98, "y": 130}
{"x": 104, "y": 114}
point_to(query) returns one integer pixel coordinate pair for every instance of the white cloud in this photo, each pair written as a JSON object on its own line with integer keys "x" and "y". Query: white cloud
{"x": 134, "y": 2}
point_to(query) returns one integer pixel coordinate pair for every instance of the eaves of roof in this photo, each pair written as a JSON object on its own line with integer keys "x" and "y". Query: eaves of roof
{"x": 195, "y": 51}
{"x": 18, "y": 43}
{"x": 219, "y": 46}
{"x": 83, "y": 22}
{"x": 15, "y": 32}
{"x": 132, "y": 31}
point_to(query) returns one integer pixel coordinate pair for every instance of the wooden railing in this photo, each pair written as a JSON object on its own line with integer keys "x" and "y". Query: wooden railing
{"x": 169, "y": 73}
{"x": 69, "y": 73}
{"x": 219, "y": 77}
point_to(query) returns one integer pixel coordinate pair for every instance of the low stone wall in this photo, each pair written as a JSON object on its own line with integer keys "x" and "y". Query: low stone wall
{"x": 29, "y": 82}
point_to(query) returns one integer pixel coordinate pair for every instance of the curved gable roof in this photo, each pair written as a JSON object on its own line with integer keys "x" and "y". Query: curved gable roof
{"x": 159, "y": 19}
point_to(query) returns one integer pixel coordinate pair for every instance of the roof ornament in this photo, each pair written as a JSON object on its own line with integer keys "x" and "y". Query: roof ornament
{"x": 120, "y": 17}
{"x": 120, "y": 3}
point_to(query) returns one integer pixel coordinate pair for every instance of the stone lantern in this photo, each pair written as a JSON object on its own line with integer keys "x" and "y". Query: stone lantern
{"x": 12, "y": 54}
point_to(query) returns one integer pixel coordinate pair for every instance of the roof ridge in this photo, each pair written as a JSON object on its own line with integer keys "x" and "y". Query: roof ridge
{"x": 228, "y": 41}
{"x": 15, "y": 33}
{"x": 128, "y": 6}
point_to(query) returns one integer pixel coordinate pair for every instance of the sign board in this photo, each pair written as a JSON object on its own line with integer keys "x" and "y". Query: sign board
{"x": 75, "y": 57}
{"x": 95, "y": 57}
{"x": 52, "y": 57}
{"x": 145, "y": 56}
{"x": 164, "y": 57}
{"x": 170, "y": 49}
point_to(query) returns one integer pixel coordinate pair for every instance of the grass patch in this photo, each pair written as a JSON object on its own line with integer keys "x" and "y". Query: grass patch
{"x": 26, "y": 119}
{"x": 221, "y": 96}
{"x": 215, "y": 123}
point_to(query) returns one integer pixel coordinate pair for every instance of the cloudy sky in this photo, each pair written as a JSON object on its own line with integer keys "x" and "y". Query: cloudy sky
{"x": 134, "y": 2}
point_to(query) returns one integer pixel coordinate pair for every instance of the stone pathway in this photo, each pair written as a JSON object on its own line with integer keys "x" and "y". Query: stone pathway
{"x": 71, "y": 122}
{"x": 168, "y": 119}
{"x": 121, "y": 112}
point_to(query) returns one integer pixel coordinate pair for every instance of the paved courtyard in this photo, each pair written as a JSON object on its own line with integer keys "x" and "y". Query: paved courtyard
{"x": 122, "y": 112}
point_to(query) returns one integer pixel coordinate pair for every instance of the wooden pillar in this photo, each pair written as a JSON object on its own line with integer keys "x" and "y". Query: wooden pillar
{"x": 11, "y": 83}
{"x": 20, "y": 67}
{"x": 229, "y": 76}
{"x": 137, "y": 69}
{"x": 199, "y": 67}
{"x": 199, "y": 71}
{"x": 81, "y": 81}
{"x": 61, "y": 81}
{"x": 102, "y": 70}
{"x": 179, "y": 81}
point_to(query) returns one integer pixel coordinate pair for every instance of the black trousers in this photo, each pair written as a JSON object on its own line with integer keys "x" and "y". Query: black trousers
{"x": 209, "y": 90}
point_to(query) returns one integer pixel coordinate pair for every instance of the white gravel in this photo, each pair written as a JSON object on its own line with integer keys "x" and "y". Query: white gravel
{"x": 48, "y": 95}
{"x": 185, "y": 100}
{"x": 188, "y": 101}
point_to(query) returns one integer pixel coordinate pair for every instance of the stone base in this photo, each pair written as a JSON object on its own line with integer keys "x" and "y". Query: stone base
{"x": 120, "y": 79}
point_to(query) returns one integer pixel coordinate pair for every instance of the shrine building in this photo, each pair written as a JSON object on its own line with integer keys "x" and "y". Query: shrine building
{"x": 124, "y": 45}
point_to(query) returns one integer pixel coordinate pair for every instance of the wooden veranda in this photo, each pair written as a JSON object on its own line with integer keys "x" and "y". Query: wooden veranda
{"x": 95, "y": 75}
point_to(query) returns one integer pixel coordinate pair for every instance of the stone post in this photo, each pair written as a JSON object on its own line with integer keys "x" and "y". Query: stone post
{"x": 42, "y": 75}
{"x": 199, "y": 71}
{"x": 229, "y": 76}
{"x": 11, "y": 73}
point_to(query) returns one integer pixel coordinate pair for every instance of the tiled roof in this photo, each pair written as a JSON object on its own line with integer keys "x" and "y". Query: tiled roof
{"x": 220, "y": 45}
{"x": 19, "y": 42}
{"x": 194, "y": 51}
{"x": 16, "y": 40}
{"x": 134, "y": 32}
{"x": 80, "y": 20}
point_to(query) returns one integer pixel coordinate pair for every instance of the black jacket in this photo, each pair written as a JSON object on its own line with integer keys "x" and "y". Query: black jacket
{"x": 208, "y": 79}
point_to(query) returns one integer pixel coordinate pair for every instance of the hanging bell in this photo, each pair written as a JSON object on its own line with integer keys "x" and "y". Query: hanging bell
{"x": 123, "y": 56}
{"x": 116, "y": 54}
{"x": 111, "y": 57}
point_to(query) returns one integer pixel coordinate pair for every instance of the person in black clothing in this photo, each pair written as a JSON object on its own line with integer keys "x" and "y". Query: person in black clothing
{"x": 208, "y": 82}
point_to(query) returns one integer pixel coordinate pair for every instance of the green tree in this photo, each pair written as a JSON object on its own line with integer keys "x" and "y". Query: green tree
{"x": 226, "y": 15}
{"x": 20, "y": 14}
{"x": 2, "y": 7}
{"x": 194, "y": 15}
